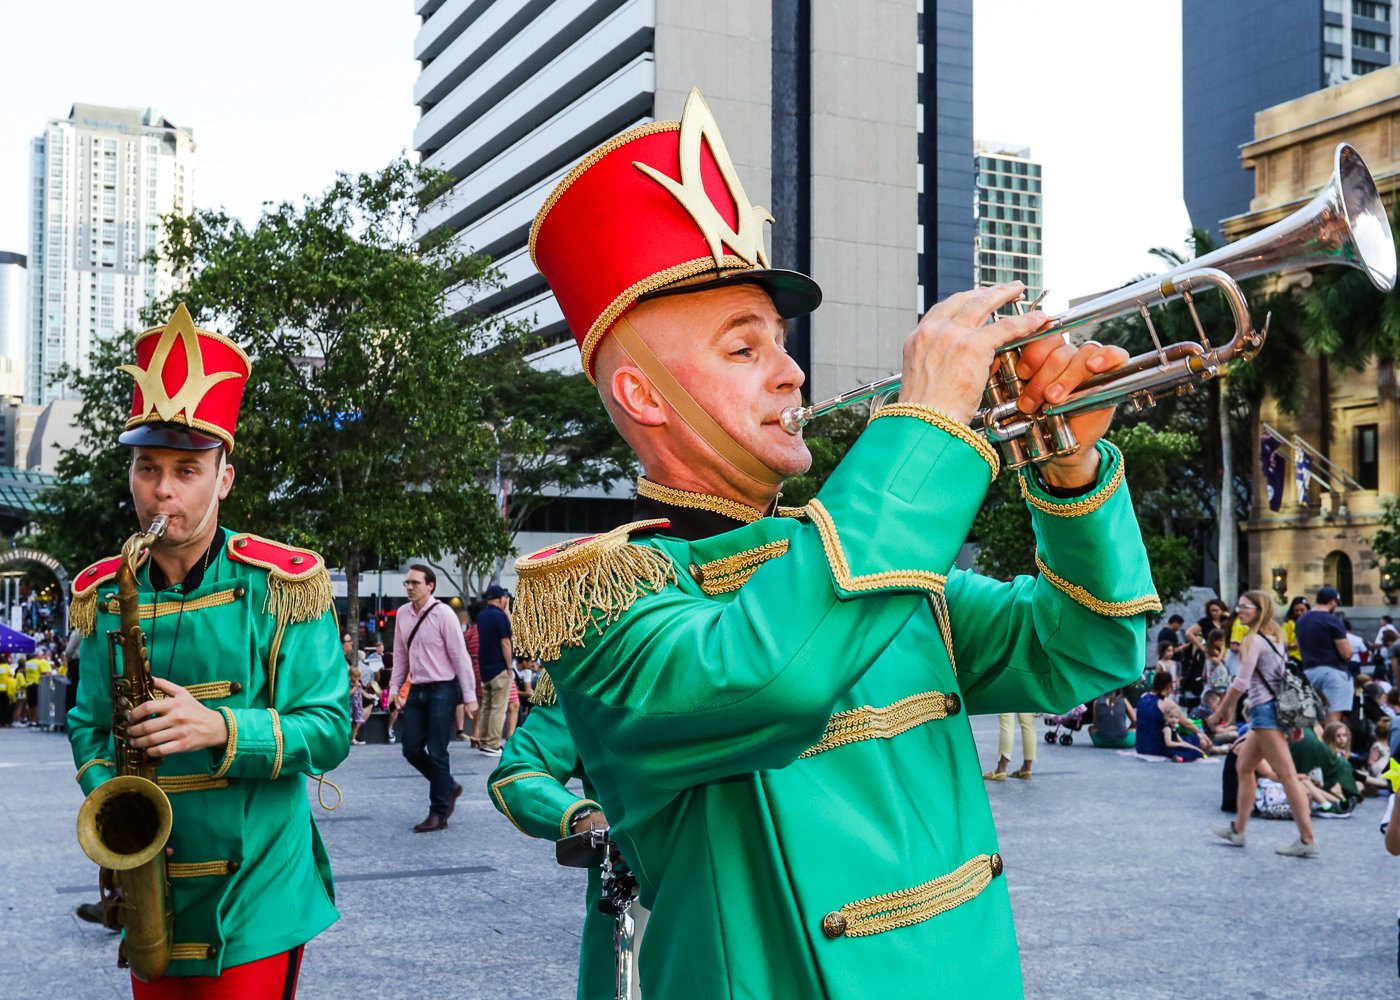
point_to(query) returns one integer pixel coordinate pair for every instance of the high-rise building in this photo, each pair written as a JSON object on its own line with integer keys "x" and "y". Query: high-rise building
{"x": 14, "y": 301}
{"x": 1009, "y": 218}
{"x": 101, "y": 179}
{"x": 850, "y": 122}
{"x": 1242, "y": 56}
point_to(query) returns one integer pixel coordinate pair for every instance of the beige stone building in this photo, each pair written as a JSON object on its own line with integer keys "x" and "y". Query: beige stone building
{"x": 1349, "y": 420}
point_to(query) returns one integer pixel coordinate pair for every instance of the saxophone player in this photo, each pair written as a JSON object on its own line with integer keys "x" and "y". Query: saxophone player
{"x": 245, "y": 655}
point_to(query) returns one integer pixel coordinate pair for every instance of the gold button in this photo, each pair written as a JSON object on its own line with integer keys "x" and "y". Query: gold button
{"x": 238, "y": 593}
{"x": 952, "y": 704}
{"x": 834, "y": 924}
{"x": 242, "y": 543}
{"x": 298, "y": 560}
{"x": 235, "y": 688}
{"x": 997, "y": 865}
{"x": 232, "y": 867}
{"x": 697, "y": 573}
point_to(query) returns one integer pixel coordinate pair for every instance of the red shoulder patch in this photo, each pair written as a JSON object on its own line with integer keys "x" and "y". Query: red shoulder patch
{"x": 96, "y": 575}
{"x": 286, "y": 560}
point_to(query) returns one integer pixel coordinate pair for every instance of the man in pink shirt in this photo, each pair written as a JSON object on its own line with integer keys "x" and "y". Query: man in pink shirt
{"x": 429, "y": 652}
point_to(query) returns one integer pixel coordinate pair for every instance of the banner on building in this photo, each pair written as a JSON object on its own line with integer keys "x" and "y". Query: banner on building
{"x": 1302, "y": 475}
{"x": 1271, "y": 462}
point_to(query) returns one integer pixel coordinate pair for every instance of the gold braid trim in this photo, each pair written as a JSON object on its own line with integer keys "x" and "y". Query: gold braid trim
{"x": 697, "y": 501}
{"x": 82, "y": 613}
{"x": 1112, "y": 609}
{"x": 544, "y": 690}
{"x": 918, "y": 579}
{"x": 176, "y": 783}
{"x": 230, "y": 748}
{"x": 199, "y": 869}
{"x": 191, "y": 952}
{"x": 96, "y": 760}
{"x": 721, "y": 576}
{"x": 563, "y": 590}
{"x": 212, "y": 691}
{"x": 907, "y": 907}
{"x": 1077, "y": 508}
{"x": 496, "y": 787}
{"x": 944, "y": 422}
{"x": 867, "y": 723}
{"x": 162, "y": 608}
{"x": 276, "y": 738}
{"x": 945, "y": 625}
{"x": 568, "y": 816}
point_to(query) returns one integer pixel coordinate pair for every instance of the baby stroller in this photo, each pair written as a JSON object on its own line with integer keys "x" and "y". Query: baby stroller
{"x": 1063, "y": 725}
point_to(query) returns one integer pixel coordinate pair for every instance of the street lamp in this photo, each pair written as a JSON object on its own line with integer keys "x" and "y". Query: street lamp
{"x": 1280, "y": 581}
{"x": 1389, "y": 585}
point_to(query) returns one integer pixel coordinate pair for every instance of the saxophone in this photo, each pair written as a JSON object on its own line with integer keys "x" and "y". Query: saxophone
{"x": 124, "y": 824}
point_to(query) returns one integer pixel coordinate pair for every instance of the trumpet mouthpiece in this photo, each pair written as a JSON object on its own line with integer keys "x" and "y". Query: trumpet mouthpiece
{"x": 794, "y": 418}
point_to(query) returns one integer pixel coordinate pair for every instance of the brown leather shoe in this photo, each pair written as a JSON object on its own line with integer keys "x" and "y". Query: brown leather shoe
{"x": 452, "y": 800}
{"x": 433, "y": 823}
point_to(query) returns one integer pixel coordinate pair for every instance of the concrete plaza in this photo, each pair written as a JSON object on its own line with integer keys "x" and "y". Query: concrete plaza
{"x": 1118, "y": 887}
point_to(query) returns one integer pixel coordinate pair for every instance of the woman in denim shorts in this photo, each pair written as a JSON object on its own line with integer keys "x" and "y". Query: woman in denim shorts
{"x": 1262, "y": 668}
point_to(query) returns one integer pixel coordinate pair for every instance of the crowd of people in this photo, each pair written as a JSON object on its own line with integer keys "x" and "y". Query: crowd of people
{"x": 23, "y": 677}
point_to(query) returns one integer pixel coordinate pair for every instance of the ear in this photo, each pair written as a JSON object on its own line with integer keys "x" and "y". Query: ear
{"x": 227, "y": 483}
{"x": 636, "y": 397}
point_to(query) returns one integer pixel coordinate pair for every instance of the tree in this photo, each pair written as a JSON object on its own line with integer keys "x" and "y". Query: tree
{"x": 1386, "y": 542}
{"x": 362, "y": 425}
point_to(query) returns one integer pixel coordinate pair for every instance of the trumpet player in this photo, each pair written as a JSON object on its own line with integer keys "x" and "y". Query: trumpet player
{"x": 772, "y": 703}
{"x": 244, "y": 651}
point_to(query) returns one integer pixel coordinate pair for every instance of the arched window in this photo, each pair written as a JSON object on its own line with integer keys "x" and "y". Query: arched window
{"x": 1336, "y": 572}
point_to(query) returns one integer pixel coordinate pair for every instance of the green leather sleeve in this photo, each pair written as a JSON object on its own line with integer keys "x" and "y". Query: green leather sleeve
{"x": 527, "y": 786}
{"x": 690, "y": 690}
{"x": 1050, "y": 642}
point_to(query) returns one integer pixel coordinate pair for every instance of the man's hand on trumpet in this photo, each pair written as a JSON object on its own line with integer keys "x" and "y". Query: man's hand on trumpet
{"x": 949, "y": 356}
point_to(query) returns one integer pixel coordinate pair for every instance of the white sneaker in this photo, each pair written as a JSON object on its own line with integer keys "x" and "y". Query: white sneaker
{"x": 489, "y": 751}
{"x": 1298, "y": 849}
{"x": 1229, "y": 834}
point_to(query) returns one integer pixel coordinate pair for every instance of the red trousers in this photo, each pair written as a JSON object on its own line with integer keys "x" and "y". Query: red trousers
{"x": 271, "y": 978}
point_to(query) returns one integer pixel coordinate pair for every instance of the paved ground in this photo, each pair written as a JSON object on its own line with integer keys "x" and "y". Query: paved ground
{"x": 1119, "y": 890}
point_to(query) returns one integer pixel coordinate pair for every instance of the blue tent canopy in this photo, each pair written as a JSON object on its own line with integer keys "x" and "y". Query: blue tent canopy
{"x": 14, "y": 642}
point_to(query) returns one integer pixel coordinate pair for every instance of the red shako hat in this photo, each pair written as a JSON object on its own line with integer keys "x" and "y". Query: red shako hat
{"x": 189, "y": 386}
{"x": 656, "y": 210}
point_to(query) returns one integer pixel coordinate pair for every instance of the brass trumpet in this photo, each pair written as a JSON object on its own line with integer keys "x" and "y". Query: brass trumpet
{"x": 1345, "y": 224}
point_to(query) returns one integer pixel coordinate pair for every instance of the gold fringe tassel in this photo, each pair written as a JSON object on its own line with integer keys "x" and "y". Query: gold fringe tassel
{"x": 300, "y": 600}
{"x": 544, "y": 690}
{"x": 82, "y": 613}
{"x": 559, "y": 595}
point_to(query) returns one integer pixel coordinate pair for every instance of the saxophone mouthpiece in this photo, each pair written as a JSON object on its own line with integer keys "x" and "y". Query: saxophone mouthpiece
{"x": 158, "y": 525}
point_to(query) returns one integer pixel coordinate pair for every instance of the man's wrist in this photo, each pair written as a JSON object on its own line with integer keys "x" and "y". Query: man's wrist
{"x": 1077, "y": 474}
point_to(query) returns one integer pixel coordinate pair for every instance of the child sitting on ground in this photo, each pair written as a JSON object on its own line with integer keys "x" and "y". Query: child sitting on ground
{"x": 1166, "y": 665}
{"x": 1182, "y": 740}
{"x": 1221, "y": 736}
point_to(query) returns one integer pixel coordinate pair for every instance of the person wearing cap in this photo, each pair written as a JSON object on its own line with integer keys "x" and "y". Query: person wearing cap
{"x": 243, "y": 647}
{"x": 1325, "y": 650}
{"x": 770, "y": 702}
{"x": 497, "y": 654}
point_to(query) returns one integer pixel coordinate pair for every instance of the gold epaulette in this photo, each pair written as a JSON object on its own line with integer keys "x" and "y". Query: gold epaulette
{"x": 544, "y": 690}
{"x": 298, "y": 584}
{"x": 565, "y": 588}
{"x": 82, "y": 610}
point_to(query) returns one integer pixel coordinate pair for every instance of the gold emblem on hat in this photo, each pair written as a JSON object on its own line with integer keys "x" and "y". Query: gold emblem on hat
{"x": 698, "y": 126}
{"x": 197, "y": 384}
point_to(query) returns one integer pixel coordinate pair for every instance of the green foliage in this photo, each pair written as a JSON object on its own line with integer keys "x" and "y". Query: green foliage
{"x": 828, "y": 439}
{"x": 1386, "y": 541}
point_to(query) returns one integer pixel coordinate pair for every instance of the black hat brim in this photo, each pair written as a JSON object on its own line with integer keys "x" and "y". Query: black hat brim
{"x": 176, "y": 436}
{"x": 793, "y": 293}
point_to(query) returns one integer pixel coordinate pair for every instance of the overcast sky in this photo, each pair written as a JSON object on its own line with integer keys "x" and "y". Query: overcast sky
{"x": 281, "y": 95}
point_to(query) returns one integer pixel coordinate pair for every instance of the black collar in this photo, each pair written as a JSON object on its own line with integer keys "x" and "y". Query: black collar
{"x": 195, "y": 576}
{"x": 693, "y": 516}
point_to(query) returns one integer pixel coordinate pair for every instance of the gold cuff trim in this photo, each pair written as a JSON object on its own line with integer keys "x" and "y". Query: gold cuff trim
{"x": 944, "y": 422}
{"x": 721, "y": 576}
{"x": 544, "y": 690}
{"x": 191, "y": 952}
{"x": 907, "y": 907}
{"x": 276, "y": 738}
{"x": 231, "y": 748}
{"x": 214, "y": 690}
{"x": 917, "y": 579}
{"x": 939, "y": 602}
{"x": 868, "y": 723}
{"x": 697, "y": 501}
{"x": 160, "y": 609}
{"x": 1113, "y": 609}
{"x": 496, "y": 787}
{"x": 580, "y": 168}
{"x": 564, "y": 591}
{"x": 174, "y": 784}
{"x": 1077, "y": 508}
{"x": 569, "y": 814}
{"x": 96, "y": 760}
{"x": 199, "y": 869}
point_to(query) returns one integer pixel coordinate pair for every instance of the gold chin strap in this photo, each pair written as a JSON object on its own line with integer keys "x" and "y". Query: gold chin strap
{"x": 213, "y": 497}
{"x": 689, "y": 410}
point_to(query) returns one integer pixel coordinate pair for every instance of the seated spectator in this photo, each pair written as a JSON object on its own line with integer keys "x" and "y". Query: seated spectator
{"x": 1377, "y": 761}
{"x": 1385, "y": 654}
{"x": 1326, "y": 772}
{"x": 1221, "y": 735}
{"x": 1216, "y": 668}
{"x": 1182, "y": 740}
{"x": 1149, "y": 717}
{"x": 1111, "y": 720}
{"x": 1166, "y": 664}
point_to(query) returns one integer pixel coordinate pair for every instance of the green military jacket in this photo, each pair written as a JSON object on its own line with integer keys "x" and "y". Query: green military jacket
{"x": 257, "y": 640}
{"x": 775, "y": 716}
{"x": 527, "y": 787}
